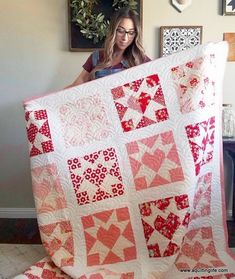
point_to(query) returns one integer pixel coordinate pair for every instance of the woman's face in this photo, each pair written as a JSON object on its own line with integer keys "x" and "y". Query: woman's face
{"x": 125, "y": 34}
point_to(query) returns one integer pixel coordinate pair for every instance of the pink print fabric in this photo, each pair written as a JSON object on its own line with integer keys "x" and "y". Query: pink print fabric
{"x": 126, "y": 173}
{"x": 105, "y": 233}
{"x": 154, "y": 161}
{"x": 84, "y": 121}
{"x": 140, "y": 103}
{"x": 195, "y": 81}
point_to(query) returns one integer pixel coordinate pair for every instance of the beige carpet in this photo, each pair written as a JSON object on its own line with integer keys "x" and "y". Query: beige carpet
{"x": 15, "y": 258}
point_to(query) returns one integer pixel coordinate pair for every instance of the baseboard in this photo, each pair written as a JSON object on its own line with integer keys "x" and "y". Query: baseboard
{"x": 17, "y": 212}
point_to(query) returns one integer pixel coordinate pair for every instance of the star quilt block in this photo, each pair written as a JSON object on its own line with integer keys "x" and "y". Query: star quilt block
{"x": 198, "y": 250}
{"x": 38, "y": 132}
{"x": 45, "y": 269}
{"x": 154, "y": 161}
{"x": 140, "y": 103}
{"x": 96, "y": 176}
{"x": 109, "y": 237}
{"x": 162, "y": 222}
{"x": 58, "y": 241}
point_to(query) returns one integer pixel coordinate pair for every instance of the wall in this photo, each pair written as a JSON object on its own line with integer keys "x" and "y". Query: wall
{"x": 35, "y": 59}
{"x": 206, "y": 13}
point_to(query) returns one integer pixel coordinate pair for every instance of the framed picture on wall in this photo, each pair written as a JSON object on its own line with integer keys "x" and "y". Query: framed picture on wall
{"x": 177, "y": 38}
{"x": 230, "y": 38}
{"x": 88, "y": 21}
{"x": 228, "y": 7}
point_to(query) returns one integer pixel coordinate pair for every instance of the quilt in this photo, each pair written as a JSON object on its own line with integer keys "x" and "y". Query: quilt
{"x": 127, "y": 173}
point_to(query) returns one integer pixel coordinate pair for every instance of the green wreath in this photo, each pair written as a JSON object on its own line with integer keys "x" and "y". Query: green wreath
{"x": 94, "y": 26}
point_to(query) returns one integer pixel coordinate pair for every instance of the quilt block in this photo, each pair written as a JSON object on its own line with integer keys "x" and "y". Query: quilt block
{"x": 162, "y": 222}
{"x": 38, "y": 132}
{"x": 154, "y": 161}
{"x": 140, "y": 103}
{"x": 200, "y": 248}
{"x": 84, "y": 121}
{"x": 127, "y": 174}
{"x": 48, "y": 193}
{"x": 109, "y": 237}
{"x": 96, "y": 176}
{"x": 58, "y": 242}
{"x": 195, "y": 81}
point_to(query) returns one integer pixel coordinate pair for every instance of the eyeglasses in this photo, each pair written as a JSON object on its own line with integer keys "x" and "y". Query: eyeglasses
{"x": 122, "y": 31}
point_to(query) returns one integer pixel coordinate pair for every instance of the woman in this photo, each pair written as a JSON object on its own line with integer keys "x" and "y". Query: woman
{"x": 122, "y": 49}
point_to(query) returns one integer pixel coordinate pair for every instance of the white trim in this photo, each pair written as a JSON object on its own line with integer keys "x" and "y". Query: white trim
{"x": 17, "y": 212}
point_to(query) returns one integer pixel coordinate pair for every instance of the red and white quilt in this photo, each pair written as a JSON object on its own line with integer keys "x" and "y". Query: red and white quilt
{"x": 127, "y": 173}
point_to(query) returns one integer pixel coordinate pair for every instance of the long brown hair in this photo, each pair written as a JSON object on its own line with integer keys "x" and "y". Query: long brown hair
{"x": 134, "y": 53}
